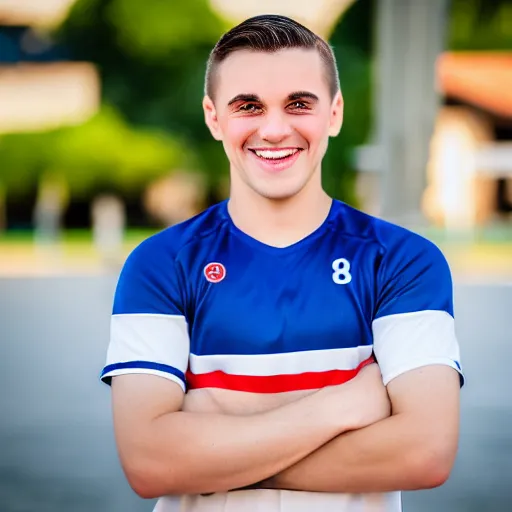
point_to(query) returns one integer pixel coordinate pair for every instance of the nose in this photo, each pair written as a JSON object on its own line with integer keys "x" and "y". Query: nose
{"x": 275, "y": 127}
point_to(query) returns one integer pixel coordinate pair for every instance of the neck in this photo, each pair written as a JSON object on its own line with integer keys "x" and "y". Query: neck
{"x": 279, "y": 222}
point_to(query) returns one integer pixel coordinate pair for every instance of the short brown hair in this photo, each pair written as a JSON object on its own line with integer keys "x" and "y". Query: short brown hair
{"x": 270, "y": 33}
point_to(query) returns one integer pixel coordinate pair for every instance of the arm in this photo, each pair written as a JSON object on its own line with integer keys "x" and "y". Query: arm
{"x": 418, "y": 354}
{"x": 413, "y": 449}
{"x": 166, "y": 451}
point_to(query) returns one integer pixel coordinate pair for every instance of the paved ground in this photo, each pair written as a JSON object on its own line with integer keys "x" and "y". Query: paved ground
{"x": 56, "y": 446}
{"x": 485, "y": 260}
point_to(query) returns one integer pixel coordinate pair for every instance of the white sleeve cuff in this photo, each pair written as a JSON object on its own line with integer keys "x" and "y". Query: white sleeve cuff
{"x": 406, "y": 341}
{"x": 148, "y": 343}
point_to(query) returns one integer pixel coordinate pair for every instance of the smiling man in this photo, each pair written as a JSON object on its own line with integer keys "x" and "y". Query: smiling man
{"x": 282, "y": 351}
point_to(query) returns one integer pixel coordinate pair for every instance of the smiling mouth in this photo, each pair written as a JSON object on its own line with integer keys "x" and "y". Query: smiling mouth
{"x": 273, "y": 155}
{"x": 276, "y": 159}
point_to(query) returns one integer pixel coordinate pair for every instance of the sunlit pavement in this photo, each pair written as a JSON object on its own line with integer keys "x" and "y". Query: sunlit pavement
{"x": 479, "y": 263}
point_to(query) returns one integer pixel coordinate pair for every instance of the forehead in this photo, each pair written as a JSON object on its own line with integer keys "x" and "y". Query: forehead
{"x": 271, "y": 75}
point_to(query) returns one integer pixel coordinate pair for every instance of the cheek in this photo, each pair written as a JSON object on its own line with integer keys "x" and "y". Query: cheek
{"x": 314, "y": 130}
{"x": 237, "y": 131}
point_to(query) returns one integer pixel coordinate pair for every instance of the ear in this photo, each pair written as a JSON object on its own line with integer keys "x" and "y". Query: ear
{"x": 336, "y": 115}
{"x": 210, "y": 117}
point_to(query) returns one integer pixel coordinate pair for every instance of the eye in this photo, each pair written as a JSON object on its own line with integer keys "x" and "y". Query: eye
{"x": 298, "y": 105}
{"x": 250, "y": 107}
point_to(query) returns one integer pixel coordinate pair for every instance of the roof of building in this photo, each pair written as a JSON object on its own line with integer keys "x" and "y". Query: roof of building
{"x": 482, "y": 79}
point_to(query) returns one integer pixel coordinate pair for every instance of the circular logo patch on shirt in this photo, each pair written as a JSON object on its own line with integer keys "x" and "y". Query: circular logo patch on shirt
{"x": 214, "y": 272}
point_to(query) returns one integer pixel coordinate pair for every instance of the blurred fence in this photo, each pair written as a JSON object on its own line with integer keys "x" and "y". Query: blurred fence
{"x": 56, "y": 443}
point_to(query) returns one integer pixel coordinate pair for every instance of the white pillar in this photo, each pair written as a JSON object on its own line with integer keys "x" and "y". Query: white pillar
{"x": 410, "y": 36}
{"x": 108, "y": 223}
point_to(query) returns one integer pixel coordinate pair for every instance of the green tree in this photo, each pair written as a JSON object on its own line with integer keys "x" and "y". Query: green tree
{"x": 352, "y": 41}
{"x": 152, "y": 56}
{"x": 480, "y": 25}
{"x": 104, "y": 153}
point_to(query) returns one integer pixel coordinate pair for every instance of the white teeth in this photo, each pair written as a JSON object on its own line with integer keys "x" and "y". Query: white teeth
{"x": 274, "y": 155}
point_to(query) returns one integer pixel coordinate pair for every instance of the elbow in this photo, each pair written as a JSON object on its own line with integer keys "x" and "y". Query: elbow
{"x": 143, "y": 488}
{"x": 141, "y": 483}
{"x": 432, "y": 475}
{"x": 147, "y": 481}
{"x": 432, "y": 467}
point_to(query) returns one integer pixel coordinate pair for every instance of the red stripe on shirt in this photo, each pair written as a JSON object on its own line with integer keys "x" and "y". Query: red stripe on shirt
{"x": 273, "y": 383}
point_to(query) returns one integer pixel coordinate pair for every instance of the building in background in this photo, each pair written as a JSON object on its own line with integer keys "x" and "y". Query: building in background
{"x": 40, "y": 88}
{"x": 470, "y": 167}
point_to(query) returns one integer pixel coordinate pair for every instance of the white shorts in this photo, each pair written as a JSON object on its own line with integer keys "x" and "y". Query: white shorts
{"x": 267, "y": 500}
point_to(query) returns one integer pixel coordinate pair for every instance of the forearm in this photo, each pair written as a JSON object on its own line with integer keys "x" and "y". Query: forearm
{"x": 386, "y": 456}
{"x": 213, "y": 453}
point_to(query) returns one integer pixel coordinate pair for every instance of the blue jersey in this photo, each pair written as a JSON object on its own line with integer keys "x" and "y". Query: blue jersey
{"x": 207, "y": 306}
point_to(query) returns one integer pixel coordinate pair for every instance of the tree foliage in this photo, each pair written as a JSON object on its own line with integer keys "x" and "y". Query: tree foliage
{"x": 103, "y": 153}
{"x": 352, "y": 42}
{"x": 480, "y": 25}
{"x": 152, "y": 58}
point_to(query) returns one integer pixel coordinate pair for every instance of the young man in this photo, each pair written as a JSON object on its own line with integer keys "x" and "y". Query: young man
{"x": 243, "y": 341}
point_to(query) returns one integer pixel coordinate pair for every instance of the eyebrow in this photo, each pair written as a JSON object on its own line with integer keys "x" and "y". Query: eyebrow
{"x": 244, "y": 97}
{"x": 255, "y": 98}
{"x": 301, "y": 95}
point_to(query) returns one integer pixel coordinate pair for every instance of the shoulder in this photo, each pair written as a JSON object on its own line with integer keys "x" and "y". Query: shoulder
{"x": 151, "y": 280}
{"x": 398, "y": 246}
{"x": 165, "y": 246}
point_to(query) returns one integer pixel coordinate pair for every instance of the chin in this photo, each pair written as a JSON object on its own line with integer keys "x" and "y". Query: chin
{"x": 279, "y": 193}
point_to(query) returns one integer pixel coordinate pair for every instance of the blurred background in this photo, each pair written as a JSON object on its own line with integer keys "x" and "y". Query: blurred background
{"x": 102, "y": 143}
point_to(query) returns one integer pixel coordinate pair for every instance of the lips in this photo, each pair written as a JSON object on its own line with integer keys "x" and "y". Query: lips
{"x": 275, "y": 159}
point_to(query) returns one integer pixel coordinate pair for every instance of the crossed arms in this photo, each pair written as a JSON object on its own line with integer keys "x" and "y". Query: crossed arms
{"x": 356, "y": 437}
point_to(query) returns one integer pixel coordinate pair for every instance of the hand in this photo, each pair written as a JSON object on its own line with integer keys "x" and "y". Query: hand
{"x": 363, "y": 400}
